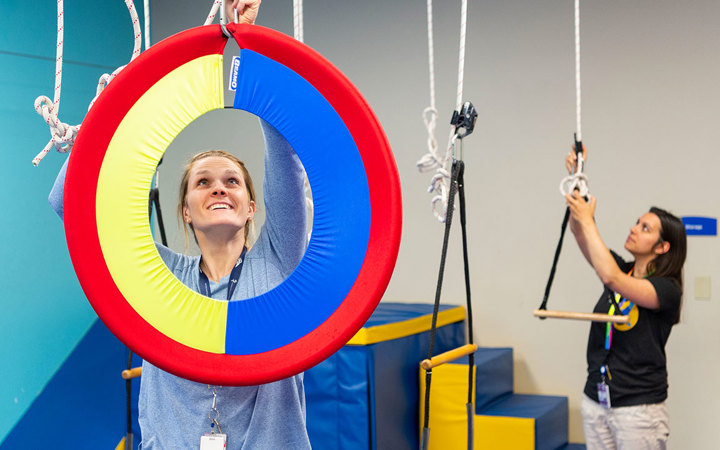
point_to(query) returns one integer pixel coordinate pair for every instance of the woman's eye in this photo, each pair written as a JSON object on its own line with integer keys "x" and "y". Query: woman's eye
{"x": 202, "y": 182}
{"x": 233, "y": 181}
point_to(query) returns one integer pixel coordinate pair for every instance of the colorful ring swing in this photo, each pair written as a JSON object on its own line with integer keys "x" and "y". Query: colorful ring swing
{"x": 356, "y": 195}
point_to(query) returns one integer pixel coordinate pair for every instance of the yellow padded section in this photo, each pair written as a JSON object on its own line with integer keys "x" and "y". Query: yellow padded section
{"x": 142, "y": 137}
{"x": 396, "y": 330}
{"x": 507, "y": 433}
{"x": 448, "y": 410}
{"x": 448, "y": 416}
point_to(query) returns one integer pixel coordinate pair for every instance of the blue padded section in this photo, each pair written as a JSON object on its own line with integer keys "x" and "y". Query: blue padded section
{"x": 83, "y": 405}
{"x": 383, "y": 378}
{"x": 399, "y": 312}
{"x": 337, "y": 393}
{"x": 341, "y": 218}
{"x": 550, "y": 414}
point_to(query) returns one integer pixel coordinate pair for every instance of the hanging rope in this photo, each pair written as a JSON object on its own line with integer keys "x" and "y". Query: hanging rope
{"x": 298, "y": 31}
{"x": 62, "y": 135}
{"x": 146, "y": 10}
{"x": 578, "y": 103}
{"x": 298, "y": 34}
{"x": 213, "y": 12}
{"x": 576, "y": 181}
{"x": 436, "y": 159}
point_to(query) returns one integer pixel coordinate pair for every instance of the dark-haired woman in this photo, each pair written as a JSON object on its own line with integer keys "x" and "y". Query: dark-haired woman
{"x": 623, "y": 405}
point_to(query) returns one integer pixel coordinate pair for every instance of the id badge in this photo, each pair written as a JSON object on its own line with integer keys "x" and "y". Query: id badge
{"x": 213, "y": 441}
{"x": 604, "y": 394}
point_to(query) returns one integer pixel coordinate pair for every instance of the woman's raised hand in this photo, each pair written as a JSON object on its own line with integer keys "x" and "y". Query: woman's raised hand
{"x": 571, "y": 159}
{"x": 247, "y": 10}
{"x": 580, "y": 210}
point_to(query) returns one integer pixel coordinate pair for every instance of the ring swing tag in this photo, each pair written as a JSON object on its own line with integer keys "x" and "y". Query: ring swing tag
{"x": 213, "y": 441}
{"x": 234, "y": 69}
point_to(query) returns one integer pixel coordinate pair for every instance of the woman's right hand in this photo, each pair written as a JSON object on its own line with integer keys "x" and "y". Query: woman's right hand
{"x": 571, "y": 159}
{"x": 247, "y": 10}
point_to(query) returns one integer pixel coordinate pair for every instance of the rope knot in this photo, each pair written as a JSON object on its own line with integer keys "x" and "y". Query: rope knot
{"x": 577, "y": 181}
{"x": 62, "y": 135}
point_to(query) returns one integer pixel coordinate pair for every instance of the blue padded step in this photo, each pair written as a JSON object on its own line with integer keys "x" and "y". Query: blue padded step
{"x": 494, "y": 375}
{"x": 573, "y": 447}
{"x": 549, "y": 412}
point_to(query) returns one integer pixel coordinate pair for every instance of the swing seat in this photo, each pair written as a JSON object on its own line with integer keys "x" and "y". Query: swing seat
{"x": 595, "y": 317}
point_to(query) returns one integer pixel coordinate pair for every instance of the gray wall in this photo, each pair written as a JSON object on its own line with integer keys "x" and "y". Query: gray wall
{"x": 650, "y": 104}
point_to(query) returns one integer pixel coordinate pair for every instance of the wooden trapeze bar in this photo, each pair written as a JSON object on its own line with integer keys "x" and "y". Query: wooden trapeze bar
{"x": 448, "y": 356}
{"x": 595, "y": 317}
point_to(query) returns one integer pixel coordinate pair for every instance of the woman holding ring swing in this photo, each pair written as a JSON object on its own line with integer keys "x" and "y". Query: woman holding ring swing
{"x": 623, "y": 405}
{"x": 217, "y": 203}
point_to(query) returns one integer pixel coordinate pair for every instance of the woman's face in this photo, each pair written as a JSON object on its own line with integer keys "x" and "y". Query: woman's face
{"x": 217, "y": 198}
{"x": 644, "y": 237}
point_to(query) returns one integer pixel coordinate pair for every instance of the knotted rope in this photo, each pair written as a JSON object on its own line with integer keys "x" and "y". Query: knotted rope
{"x": 62, "y": 135}
{"x": 436, "y": 159}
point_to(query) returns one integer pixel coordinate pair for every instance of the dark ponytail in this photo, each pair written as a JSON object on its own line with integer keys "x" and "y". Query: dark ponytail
{"x": 670, "y": 264}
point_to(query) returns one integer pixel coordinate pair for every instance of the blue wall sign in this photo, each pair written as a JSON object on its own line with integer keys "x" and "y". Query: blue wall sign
{"x": 700, "y": 226}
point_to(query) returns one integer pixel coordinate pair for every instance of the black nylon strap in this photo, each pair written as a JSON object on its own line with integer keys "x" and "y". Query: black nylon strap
{"x": 558, "y": 249}
{"x": 471, "y": 356}
{"x": 457, "y": 183}
{"x": 155, "y": 201}
{"x": 543, "y": 305}
{"x": 128, "y": 400}
{"x": 436, "y": 306}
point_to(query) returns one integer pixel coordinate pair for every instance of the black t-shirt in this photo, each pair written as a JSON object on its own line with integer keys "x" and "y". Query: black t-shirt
{"x": 636, "y": 360}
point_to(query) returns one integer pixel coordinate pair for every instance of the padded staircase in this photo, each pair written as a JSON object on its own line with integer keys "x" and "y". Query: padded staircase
{"x": 503, "y": 419}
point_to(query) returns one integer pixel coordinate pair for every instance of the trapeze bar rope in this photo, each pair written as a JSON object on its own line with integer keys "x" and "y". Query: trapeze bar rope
{"x": 435, "y": 159}
{"x": 578, "y": 98}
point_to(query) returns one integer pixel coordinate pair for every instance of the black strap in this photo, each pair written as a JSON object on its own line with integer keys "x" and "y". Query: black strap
{"x": 558, "y": 249}
{"x": 471, "y": 356}
{"x": 456, "y": 185}
{"x": 232, "y": 281}
{"x": 155, "y": 201}
{"x": 128, "y": 400}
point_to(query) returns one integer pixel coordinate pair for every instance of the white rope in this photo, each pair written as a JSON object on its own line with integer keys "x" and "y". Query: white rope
{"x": 213, "y": 12}
{"x": 146, "y": 10}
{"x": 434, "y": 159}
{"x": 62, "y": 135}
{"x": 105, "y": 79}
{"x": 578, "y": 104}
{"x": 298, "y": 31}
{"x": 298, "y": 34}
{"x": 578, "y": 180}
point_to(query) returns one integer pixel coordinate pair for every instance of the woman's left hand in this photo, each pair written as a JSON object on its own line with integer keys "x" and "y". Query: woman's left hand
{"x": 580, "y": 210}
{"x": 247, "y": 10}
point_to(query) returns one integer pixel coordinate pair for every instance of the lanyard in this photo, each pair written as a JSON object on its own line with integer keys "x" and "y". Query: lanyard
{"x": 232, "y": 282}
{"x": 624, "y": 305}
